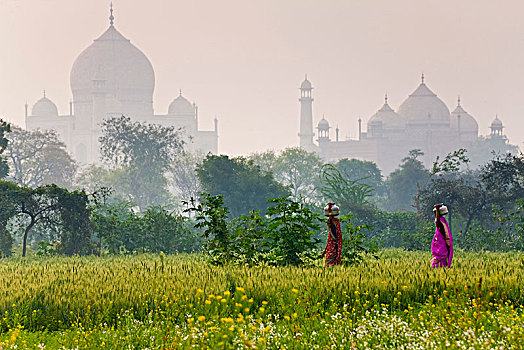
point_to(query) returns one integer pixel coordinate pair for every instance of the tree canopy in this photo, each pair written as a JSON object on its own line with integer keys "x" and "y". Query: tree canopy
{"x": 39, "y": 158}
{"x": 4, "y": 129}
{"x": 242, "y": 184}
{"x": 143, "y": 152}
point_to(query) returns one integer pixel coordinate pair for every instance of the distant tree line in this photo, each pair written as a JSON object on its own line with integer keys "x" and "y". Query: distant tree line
{"x": 132, "y": 204}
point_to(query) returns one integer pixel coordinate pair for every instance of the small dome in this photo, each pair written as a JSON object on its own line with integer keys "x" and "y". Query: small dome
{"x": 467, "y": 121}
{"x": 422, "y": 105}
{"x": 45, "y": 108}
{"x": 323, "y": 124}
{"x": 306, "y": 85}
{"x": 181, "y": 105}
{"x": 386, "y": 118}
{"x": 496, "y": 122}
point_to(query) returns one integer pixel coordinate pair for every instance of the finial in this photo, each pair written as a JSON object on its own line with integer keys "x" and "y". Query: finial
{"x": 180, "y": 92}
{"x": 422, "y": 77}
{"x": 44, "y": 93}
{"x": 111, "y": 17}
{"x": 386, "y": 98}
{"x": 458, "y": 101}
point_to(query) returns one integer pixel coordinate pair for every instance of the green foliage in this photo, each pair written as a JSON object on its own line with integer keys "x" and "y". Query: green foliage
{"x": 365, "y": 172}
{"x": 451, "y": 163}
{"x": 211, "y": 216}
{"x": 403, "y": 183}
{"x": 46, "y": 249}
{"x": 154, "y": 230}
{"x": 241, "y": 183}
{"x": 249, "y": 243}
{"x": 4, "y": 129}
{"x": 37, "y": 158}
{"x": 299, "y": 170}
{"x": 50, "y": 207}
{"x": 338, "y": 187}
{"x": 356, "y": 243}
{"x": 291, "y": 230}
{"x": 142, "y": 153}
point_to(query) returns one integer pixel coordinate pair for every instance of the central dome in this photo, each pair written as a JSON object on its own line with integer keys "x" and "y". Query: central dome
{"x": 126, "y": 72}
{"x": 423, "y": 106}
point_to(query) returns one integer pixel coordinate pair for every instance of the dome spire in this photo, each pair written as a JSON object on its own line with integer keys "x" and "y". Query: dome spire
{"x": 111, "y": 17}
{"x": 180, "y": 92}
{"x": 422, "y": 78}
{"x": 44, "y": 93}
{"x": 458, "y": 101}
{"x": 386, "y": 98}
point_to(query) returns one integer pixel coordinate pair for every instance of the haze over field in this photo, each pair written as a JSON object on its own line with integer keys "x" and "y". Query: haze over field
{"x": 243, "y": 61}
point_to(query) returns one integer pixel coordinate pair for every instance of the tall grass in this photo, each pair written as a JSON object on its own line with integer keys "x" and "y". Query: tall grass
{"x": 54, "y": 293}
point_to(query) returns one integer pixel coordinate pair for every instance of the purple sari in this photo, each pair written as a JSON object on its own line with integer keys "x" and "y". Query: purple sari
{"x": 442, "y": 254}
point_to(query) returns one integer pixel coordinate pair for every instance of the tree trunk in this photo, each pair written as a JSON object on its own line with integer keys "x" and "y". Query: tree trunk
{"x": 27, "y": 229}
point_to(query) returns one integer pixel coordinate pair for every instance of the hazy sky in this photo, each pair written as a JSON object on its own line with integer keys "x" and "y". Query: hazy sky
{"x": 243, "y": 60}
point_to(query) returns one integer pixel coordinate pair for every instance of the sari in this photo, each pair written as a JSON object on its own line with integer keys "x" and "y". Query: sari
{"x": 441, "y": 251}
{"x": 334, "y": 243}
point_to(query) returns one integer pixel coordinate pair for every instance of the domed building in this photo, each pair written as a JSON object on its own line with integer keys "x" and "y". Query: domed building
{"x": 423, "y": 121}
{"x": 110, "y": 78}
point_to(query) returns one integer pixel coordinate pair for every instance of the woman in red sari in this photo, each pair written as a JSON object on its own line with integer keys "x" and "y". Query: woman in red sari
{"x": 333, "y": 250}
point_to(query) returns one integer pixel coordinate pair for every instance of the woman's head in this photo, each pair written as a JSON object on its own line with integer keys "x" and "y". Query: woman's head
{"x": 440, "y": 210}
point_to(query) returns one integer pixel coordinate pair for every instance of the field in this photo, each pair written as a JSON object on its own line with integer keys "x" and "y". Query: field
{"x": 172, "y": 302}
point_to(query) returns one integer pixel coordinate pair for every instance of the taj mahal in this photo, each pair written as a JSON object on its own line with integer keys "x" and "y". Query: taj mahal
{"x": 110, "y": 78}
{"x": 422, "y": 121}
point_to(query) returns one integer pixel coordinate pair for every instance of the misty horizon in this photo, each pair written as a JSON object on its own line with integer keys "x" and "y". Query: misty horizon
{"x": 243, "y": 63}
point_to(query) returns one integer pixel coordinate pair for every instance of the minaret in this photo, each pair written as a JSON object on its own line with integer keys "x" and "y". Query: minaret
{"x": 306, "y": 116}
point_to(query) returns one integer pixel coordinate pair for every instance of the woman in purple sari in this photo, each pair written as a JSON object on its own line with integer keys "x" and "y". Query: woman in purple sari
{"x": 442, "y": 244}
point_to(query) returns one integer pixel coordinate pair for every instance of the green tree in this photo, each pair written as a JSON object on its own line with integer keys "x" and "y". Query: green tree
{"x": 39, "y": 158}
{"x": 351, "y": 195}
{"x": 249, "y": 242}
{"x": 182, "y": 175}
{"x": 299, "y": 170}
{"x": 365, "y": 172}
{"x": 503, "y": 178}
{"x": 211, "y": 216}
{"x": 403, "y": 184}
{"x": 10, "y": 195}
{"x": 264, "y": 160}
{"x": 4, "y": 129}
{"x": 243, "y": 186}
{"x": 143, "y": 152}
{"x": 154, "y": 230}
{"x": 291, "y": 230}
{"x": 49, "y": 207}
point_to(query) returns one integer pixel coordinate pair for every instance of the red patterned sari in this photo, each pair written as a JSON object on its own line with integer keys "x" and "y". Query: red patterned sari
{"x": 333, "y": 249}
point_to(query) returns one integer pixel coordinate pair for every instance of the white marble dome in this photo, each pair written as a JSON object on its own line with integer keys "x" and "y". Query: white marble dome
{"x": 181, "y": 106}
{"x": 386, "y": 118}
{"x": 44, "y": 107}
{"x": 423, "y": 106}
{"x": 467, "y": 121}
{"x": 127, "y": 72}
